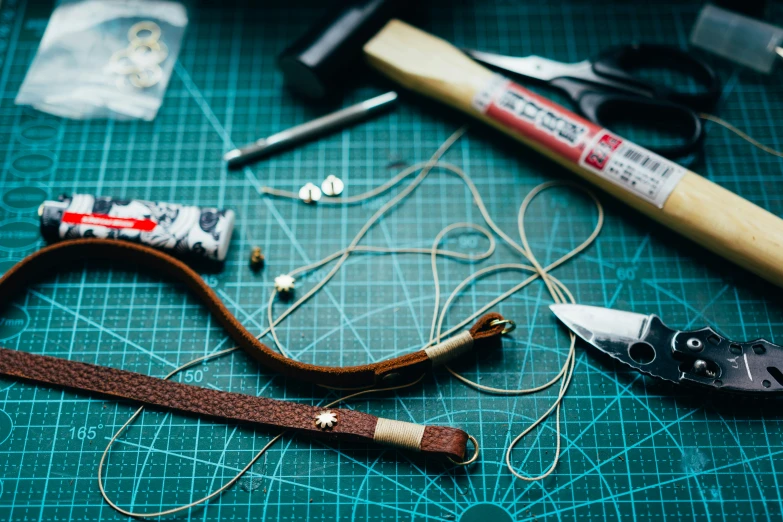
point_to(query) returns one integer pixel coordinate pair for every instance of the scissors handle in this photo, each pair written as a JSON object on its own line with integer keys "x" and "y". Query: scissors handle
{"x": 651, "y": 113}
{"x": 618, "y": 63}
{"x": 607, "y": 108}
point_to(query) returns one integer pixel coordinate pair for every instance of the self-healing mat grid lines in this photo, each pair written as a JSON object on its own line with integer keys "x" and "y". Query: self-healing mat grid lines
{"x": 633, "y": 448}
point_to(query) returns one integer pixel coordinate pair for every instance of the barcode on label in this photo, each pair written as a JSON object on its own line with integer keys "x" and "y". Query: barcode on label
{"x": 646, "y": 161}
{"x": 637, "y": 170}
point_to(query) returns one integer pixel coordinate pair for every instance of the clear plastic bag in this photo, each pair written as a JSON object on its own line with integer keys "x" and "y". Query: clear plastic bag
{"x": 105, "y": 59}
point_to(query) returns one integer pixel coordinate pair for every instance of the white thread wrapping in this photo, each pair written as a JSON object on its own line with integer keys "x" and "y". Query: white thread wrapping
{"x": 453, "y": 347}
{"x": 405, "y": 435}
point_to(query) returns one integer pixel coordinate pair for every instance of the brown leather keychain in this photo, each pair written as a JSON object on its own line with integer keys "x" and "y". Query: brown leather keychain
{"x": 332, "y": 423}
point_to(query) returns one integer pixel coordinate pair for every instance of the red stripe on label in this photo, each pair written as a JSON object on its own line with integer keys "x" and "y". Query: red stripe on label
{"x": 102, "y": 220}
{"x": 537, "y": 118}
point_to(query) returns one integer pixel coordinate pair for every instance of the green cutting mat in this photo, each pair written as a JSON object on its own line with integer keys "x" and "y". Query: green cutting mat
{"x": 633, "y": 449}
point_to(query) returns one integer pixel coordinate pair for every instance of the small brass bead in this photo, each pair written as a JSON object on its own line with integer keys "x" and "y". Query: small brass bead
{"x": 256, "y": 259}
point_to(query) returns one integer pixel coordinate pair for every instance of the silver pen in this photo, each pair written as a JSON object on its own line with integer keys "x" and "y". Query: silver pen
{"x": 310, "y": 129}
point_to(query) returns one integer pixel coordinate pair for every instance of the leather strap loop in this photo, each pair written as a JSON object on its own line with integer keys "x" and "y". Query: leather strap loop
{"x": 346, "y": 425}
{"x": 485, "y": 333}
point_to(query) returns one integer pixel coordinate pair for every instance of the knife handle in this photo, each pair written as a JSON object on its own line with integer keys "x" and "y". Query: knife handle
{"x": 708, "y": 358}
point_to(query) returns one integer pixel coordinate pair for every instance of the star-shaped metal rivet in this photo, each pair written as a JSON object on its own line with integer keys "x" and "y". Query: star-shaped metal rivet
{"x": 284, "y": 284}
{"x": 326, "y": 420}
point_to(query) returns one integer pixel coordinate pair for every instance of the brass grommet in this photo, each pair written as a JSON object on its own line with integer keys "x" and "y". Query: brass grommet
{"x": 147, "y": 77}
{"x": 146, "y": 25}
{"x": 122, "y": 63}
{"x": 148, "y": 53}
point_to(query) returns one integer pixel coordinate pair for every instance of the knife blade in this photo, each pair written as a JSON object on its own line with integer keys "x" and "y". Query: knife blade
{"x": 702, "y": 358}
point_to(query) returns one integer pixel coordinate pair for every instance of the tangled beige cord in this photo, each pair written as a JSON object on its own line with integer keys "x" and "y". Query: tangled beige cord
{"x": 419, "y": 172}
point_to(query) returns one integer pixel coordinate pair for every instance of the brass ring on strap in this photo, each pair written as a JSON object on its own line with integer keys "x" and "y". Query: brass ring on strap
{"x": 510, "y": 325}
{"x": 472, "y": 459}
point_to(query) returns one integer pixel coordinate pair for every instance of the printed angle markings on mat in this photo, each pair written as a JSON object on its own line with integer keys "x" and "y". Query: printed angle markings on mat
{"x": 664, "y": 278}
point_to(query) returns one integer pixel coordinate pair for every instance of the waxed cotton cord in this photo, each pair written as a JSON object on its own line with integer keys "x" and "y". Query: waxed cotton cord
{"x": 557, "y": 289}
{"x": 742, "y": 134}
{"x": 343, "y": 255}
{"x": 403, "y": 434}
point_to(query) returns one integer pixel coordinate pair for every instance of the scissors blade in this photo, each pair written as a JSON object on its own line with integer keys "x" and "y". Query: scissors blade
{"x": 546, "y": 70}
{"x": 532, "y": 66}
{"x": 624, "y": 336}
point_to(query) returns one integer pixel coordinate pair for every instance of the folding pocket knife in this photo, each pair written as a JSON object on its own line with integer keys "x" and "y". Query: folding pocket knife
{"x": 700, "y": 357}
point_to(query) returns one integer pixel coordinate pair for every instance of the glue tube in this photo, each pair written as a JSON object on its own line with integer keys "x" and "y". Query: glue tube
{"x": 179, "y": 229}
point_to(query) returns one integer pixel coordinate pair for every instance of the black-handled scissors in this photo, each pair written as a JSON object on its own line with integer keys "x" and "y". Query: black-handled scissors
{"x": 604, "y": 88}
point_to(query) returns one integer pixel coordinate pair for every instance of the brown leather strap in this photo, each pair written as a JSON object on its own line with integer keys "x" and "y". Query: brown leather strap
{"x": 348, "y": 425}
{"x": 485, "y": 333}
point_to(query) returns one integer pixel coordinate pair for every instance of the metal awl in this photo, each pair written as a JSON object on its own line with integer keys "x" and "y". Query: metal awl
{"x": 311, "y": 129}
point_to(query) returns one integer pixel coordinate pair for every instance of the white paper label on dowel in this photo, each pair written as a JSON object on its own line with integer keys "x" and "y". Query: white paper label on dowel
{"x": 636, "y": 169}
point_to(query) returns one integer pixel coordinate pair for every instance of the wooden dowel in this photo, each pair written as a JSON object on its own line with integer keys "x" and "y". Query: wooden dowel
{"x": 710, "y": 215}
